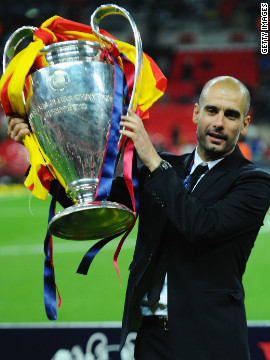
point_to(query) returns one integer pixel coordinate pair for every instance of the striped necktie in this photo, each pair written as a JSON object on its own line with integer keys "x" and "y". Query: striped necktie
{"x": 194, "y": 177}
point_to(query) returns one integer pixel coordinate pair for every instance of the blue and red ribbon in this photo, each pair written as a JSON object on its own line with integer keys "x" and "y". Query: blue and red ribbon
{"x": 108, "y": 166}
{"x": 104, "y": 185}
{"x": 50, "y": 287}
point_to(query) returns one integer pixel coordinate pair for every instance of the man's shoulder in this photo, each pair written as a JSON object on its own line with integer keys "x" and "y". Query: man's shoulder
{"x": 238, "y": 164}
{"x": 251, "y": 168}
{"x": 243, "y": 171}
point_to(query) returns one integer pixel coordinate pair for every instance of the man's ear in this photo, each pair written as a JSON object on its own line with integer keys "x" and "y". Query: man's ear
{"x": 196, "y": 112}
{"x": 245, "y": 125}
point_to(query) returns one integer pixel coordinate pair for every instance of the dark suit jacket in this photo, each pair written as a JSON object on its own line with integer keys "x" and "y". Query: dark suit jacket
{"x": 209, "y": 235}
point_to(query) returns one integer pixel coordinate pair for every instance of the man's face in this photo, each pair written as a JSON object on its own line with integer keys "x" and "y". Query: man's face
{"x": 220, "y": 120}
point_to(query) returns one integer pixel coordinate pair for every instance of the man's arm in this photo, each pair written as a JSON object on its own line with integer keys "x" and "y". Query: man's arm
{"x": 238, "y": 206}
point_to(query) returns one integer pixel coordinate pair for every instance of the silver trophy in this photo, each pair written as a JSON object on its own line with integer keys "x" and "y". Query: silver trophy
{"x": 70, "y": 113}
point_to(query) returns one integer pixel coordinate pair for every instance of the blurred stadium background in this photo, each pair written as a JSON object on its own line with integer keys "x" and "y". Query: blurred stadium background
{"x": 191, "y": 41}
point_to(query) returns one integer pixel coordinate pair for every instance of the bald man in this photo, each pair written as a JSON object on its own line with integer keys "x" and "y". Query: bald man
{"x": 199, "y": 217}
{"x": 196, "y": 230}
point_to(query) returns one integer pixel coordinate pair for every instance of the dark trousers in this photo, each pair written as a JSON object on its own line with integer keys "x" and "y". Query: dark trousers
{"x": 152, "y": 342}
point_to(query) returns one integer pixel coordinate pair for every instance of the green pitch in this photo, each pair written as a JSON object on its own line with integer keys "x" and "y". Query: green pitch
{"x": 97, "y": 296}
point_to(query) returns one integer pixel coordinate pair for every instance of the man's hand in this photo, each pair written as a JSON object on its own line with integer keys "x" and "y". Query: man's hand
{"x": 17, "y": 128}
{"x": 134, "y": 129}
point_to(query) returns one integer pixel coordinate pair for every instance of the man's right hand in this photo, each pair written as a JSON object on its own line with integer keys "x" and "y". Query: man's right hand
{"x": 135, "y": 130}
{"x": 17, "y": 128}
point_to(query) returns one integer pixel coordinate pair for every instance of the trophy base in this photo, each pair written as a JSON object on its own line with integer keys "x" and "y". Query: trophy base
{"x": 91, "y": 221}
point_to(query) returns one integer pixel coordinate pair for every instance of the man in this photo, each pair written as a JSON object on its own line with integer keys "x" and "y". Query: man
{"x": 185, "y": 295}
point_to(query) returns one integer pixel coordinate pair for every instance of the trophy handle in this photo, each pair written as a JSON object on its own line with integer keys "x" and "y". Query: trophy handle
{"x": 109, "y": 9}
{"x": 14, "y": 41}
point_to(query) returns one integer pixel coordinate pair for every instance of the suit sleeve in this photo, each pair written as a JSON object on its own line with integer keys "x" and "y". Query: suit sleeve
{"x": 238, "y": 210}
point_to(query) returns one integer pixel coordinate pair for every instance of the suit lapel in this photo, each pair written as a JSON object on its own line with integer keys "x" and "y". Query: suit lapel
{"x": 208, "y": 180}
{"x": 229, "y": 163}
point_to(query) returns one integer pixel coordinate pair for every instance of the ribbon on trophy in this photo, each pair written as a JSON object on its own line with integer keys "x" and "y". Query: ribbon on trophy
{"x": 41, "y": 177}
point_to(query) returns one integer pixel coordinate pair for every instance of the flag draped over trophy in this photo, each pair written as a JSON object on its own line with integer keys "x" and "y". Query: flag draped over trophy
{"x": 18, "y": 85}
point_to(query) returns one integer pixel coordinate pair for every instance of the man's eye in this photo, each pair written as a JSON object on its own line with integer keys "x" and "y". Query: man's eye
{"x": 232, "y": 115}
{"x": 211, "y": 111}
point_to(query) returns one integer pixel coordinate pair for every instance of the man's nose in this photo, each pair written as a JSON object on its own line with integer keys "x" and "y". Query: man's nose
{"x": 219, "y": 119}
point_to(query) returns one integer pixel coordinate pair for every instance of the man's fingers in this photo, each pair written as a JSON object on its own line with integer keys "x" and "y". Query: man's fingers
{"x": 21, "y": 135}
{"x": 131, "y": 116}
{"x": 13, "y": 122}
{"x": 18, "y": 128}
{"x": 128, "y": 133}
{"x": 129, "y": 119}
{"x": 128, "y": 124}
{"x": 130, "y": 112}
{"x": 12, "y": 119}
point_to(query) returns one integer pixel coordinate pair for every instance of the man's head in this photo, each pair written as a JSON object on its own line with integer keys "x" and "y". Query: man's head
{"x": 221, "y": 116}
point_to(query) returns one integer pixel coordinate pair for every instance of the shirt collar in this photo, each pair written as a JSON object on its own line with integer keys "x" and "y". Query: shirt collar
{"x": 198, "y": 161}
